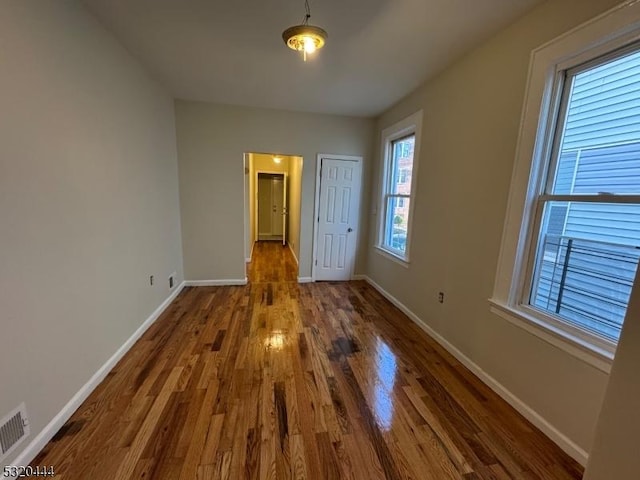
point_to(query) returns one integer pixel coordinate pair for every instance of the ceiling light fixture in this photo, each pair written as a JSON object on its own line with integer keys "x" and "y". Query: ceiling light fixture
{"x": 277, "y": 159}
{"x": 305, "y": 38}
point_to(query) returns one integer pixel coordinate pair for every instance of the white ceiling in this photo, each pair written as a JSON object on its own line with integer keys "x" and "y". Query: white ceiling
{"x": 232, "y": 51}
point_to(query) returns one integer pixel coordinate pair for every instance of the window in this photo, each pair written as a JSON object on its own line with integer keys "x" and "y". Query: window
{"x": 398, "y": 186}
{"x": 571, "y": 243}
{"x": 588, "y": 244}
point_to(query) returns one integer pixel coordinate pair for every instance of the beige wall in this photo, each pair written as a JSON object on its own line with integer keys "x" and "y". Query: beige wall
{"x": 264, "y": 162}
{"x": 211, "y": 142}
{"x": 295, "y": 197}
{"x": 615, "y": 449}
{"x": 470, "y": 129}
{"x": 249, "y": 206}
{"x": 89, "y": 202}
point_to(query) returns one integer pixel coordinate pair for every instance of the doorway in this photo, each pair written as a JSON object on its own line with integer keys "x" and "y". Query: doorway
{"x": 273, "y": 198}
{"x": 272, "y": 207}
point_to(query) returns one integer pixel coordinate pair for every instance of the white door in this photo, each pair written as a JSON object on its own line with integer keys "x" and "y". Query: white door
{"x": 271, "y": 206}
{"x": 277, "y": 206}
{"x": 339, "y": 205}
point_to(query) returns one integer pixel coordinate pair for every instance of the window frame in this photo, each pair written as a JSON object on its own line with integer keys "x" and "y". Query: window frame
{"x": 580, "y": 48}
{"x": 411, "y": 125}
{"x": 546, "y": 195}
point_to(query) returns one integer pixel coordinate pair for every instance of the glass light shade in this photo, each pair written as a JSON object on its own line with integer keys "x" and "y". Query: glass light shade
{"x": 309, "y": 45}
{"x": 304, "y": 38}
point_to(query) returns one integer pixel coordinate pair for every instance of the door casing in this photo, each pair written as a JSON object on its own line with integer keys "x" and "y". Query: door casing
{"x": 256, "y": 206}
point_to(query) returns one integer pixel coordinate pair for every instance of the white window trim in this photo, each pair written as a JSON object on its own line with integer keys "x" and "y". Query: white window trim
{"x": 410, "y": 125}
{"x": 613, "y": 29}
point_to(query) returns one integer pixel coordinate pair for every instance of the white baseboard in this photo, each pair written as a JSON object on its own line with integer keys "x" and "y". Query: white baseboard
{"x": 47, "y": 433}
{"x": 247, "y": 260}
{"x": 216, "y": 283}
{"x": 305, "y": 280}
{"x": 293, "y": 253}
{"x": 564, "y": 442}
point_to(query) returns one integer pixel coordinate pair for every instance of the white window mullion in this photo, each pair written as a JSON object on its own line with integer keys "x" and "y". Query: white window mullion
{"x": 591, "y": 198}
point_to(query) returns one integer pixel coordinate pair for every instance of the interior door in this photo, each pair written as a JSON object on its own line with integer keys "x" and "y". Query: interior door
{"x": 277, "y": 206}
{"x": 265, "y": 207}
{"x": 339, "y": 205}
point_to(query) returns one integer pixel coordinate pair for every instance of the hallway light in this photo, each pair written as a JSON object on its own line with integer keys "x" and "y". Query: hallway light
{"x": 277, "y": 159}
{"x": 305, "y": 38}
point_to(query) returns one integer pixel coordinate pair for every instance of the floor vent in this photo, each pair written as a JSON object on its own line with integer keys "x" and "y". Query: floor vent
{"x": 13, "y": 428}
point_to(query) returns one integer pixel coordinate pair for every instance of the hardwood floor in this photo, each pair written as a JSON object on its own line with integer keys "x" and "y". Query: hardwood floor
{"x": 279, "y": 380}
{"x": 272, "y": 262}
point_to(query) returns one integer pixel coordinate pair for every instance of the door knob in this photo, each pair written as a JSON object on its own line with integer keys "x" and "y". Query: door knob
{"x": 349, "y": 229}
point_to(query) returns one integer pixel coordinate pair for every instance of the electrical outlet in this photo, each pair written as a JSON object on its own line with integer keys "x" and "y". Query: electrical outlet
{"x": 441, "y": 297}
{"x": 150, "y": 279}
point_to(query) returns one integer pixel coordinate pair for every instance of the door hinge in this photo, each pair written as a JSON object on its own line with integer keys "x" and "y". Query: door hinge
{"x": 316, "y": 262}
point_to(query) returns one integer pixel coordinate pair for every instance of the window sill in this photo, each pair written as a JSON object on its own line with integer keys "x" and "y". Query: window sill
{"x": 579, "y": 348}
{"x": 392, "y": 256}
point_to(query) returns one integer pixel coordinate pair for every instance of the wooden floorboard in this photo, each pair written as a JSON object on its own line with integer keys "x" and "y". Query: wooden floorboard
{"x": 286, "y": 381}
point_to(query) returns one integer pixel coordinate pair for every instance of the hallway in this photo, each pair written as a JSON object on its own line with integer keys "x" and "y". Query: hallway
{"x": 277, "y": 380}
{"x": 272, "y": 262}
